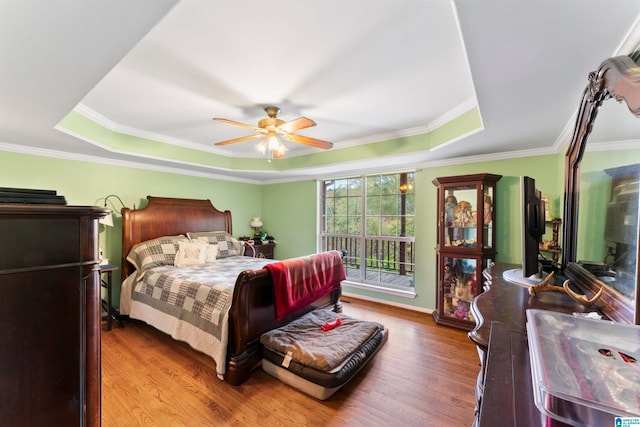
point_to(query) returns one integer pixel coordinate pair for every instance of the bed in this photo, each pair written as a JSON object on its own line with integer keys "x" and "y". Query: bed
{"x": 252, "y": 311}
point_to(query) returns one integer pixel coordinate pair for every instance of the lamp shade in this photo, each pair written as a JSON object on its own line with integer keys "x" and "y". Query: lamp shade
{"x": 255, "y": 222}
{"x": 107, "y": 220}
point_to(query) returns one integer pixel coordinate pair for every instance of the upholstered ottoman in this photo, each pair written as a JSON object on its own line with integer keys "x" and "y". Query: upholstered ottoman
{"x": 321, "y": 351}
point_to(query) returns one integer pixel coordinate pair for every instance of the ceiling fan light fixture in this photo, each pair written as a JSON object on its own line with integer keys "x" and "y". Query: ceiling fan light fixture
{"x": 272, "y": 147}
{"x": 280, "y": 150}
{"x": 273, "y": 142}
{"x": 262, "y": 146}
{"x": 274, "y": 131}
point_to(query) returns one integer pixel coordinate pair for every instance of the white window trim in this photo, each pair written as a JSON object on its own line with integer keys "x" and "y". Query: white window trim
{"x": 408, "y": 293}
{"x": 389, "y": 290}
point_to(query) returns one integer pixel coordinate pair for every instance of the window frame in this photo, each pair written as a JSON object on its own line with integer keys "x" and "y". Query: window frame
{"x": 404, "y": 283}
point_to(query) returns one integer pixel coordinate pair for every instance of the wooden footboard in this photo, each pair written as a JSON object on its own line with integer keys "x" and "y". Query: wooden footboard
{"x": 253, "y": 313}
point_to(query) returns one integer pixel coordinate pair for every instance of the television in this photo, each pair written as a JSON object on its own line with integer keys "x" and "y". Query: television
{"x": 532, "y": 213}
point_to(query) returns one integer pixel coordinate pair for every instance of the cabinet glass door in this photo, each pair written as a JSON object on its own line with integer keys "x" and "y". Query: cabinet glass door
{"x": 460, "y": 216}
{"x": 487, "y": 218}
{"x": 460, "y": 284}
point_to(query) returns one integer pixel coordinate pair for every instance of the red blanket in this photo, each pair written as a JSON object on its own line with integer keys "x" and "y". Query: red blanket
{"x": 297, "y": 282}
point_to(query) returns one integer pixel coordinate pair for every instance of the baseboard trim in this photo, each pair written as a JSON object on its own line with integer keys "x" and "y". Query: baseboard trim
{"x": 385, "y": 302}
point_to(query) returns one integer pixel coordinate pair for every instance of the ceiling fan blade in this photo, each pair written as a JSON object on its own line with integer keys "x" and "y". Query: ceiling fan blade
{"x": 297, "y": 124}
{"x": 244, "y": 138}
{"x": 243, "y": 125}
{"x": 318, "y": 143}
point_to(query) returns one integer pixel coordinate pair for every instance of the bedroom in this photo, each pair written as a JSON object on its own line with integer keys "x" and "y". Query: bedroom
{"x": 85, "y": 180}
{"x": 38, "y": 155}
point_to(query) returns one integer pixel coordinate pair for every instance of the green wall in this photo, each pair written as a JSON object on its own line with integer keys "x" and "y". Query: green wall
{"x": 290, "y": 214}
{"x": 288, "y": 210}
{"x": 84, "y": 183}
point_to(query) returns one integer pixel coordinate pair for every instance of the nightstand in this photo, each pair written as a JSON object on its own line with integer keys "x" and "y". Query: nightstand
{"x": 112, "y": 314}
{"x": 264, "y": 250}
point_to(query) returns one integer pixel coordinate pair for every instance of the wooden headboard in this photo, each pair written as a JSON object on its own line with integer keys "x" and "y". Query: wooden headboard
{"x": 164, "y": 216}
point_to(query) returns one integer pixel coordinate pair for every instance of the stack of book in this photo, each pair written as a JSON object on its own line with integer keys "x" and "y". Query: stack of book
{"x": 29, "y": 196}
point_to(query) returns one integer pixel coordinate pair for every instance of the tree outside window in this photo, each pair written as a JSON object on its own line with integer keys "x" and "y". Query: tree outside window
{"x": 372, "y": 218}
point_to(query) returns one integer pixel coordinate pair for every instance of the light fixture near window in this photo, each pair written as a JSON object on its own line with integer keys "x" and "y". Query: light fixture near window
{"x": 404, "y": 187}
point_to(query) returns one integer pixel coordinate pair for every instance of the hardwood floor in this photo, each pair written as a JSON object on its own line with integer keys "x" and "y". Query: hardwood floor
{"x": 423, "y": 376}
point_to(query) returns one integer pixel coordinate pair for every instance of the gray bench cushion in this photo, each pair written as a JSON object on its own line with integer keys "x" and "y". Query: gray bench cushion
{"x": 327, "y": 359}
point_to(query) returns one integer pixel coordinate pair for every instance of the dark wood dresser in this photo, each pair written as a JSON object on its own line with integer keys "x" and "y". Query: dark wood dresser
{"x": 504, "y": 391}
{"x": 49, "y": 315}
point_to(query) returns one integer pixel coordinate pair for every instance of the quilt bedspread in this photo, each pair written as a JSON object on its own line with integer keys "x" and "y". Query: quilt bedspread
{"x": 200, "y": 296}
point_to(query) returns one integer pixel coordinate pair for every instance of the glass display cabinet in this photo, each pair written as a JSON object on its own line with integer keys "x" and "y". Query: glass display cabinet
{"x": 466, "y": 244}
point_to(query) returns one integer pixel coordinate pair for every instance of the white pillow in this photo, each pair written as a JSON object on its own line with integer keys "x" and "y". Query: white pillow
{"x": 227, "y": 244}
{"x": 211, "y": 253}
{"x": 190, "y": 254}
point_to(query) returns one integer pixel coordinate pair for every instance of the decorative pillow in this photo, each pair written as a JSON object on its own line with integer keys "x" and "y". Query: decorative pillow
{"x": 227, "y": 244}
{"x": 212, "y": 253}
{"x": 155, "y": 252}
{"x": 190, "y": 254}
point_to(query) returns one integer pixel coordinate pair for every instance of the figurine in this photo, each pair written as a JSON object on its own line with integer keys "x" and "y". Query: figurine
{"x": 462, "y": 296}
{"x": 462, "y": 310}
{"x": 487, "y": 209}
{"x": 449, "y": 208}
{"x": 473, "y": 284}
{"x": 462, "y": 214}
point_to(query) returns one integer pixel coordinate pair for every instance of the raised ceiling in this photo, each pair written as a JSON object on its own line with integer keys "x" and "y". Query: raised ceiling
{"x": 367, "y": 71}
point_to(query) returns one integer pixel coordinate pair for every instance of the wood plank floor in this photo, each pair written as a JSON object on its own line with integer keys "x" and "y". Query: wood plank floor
{"x": 424, "y": 376}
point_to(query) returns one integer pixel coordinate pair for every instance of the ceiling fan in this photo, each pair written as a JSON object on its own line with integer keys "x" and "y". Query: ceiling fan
{"x": 271, "y": 127}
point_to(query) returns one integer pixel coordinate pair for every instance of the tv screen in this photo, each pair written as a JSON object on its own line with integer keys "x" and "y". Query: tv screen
{"x": 533, "y": 226}
{"x": 532, "y": 229}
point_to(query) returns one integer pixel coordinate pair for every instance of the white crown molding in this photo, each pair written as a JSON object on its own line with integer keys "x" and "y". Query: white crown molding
{"x": 507, "y": 155}
{"x": 65, "y": 155}
{"x": 127, "y": 130}
{"x": 452, "y": 114}
{"x": 178, "y": 170}
{"x": 565, "y": 136}
{"x": 630, "y": 144}
{"x": 394, "y": 163}
{"x": 379, "y": 165}
{"x": 459, "y": 138}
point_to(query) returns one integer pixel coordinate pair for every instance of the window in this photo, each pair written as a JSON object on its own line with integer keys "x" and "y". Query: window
{"x": 372, "y": 219}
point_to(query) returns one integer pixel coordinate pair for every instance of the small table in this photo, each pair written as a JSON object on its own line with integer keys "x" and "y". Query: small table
{"x": 112, "y": 314}
{"x": 265, "y": 250}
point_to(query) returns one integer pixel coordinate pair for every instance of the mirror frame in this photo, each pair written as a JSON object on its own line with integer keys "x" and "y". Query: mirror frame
{"x": 618, "y": 78}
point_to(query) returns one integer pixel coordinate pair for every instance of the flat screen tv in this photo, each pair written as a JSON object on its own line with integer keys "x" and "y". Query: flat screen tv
{"x": 532, "y": 229}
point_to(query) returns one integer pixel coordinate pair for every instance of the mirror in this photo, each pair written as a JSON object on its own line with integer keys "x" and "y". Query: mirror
{"x": 600, "y": 234}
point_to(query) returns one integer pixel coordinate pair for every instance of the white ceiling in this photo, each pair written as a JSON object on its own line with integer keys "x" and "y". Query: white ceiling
{"x": 364, "y": 70}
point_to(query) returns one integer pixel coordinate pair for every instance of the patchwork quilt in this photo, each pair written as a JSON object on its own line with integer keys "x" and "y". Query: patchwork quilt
{"x": 199, "y": 295}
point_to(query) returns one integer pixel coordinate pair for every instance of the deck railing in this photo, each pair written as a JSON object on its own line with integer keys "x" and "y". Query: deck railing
{"x": 384, "y": 254}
